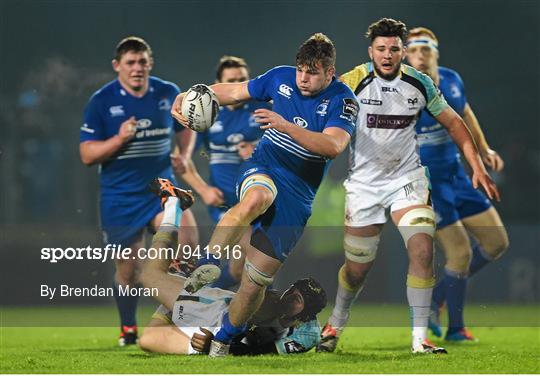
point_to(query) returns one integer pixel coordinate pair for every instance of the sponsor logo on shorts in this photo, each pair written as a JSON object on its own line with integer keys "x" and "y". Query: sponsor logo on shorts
{"x": 389, "y": 121}
{"x": 250, "y": 171}
{"x": 285, "y": 90}
{"x": 293, "y": 347}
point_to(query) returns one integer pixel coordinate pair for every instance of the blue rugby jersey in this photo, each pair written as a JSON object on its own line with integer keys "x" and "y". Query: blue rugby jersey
{"x": 436, "y": 145}
{"x": 297, "y": 168}
{"x": 144, "y": 157}
{"x": 221, "y": 140}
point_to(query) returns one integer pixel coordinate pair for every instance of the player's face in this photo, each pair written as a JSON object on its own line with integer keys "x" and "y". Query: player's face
{"x": 232, "y": 75}
{"x": 423, "y": 58}
{"x": 387, "y": 54}
{"x": 292, "y": 302}
{"x": 133, "y": 70}
{"x": 311, "y": 81}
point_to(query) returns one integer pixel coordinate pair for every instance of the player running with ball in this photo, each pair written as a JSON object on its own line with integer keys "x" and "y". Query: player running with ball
{"x": 385, "y": 173}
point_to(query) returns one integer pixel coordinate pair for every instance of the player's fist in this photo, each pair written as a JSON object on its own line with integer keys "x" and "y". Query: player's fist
{"x": 493, "y": 160}
{"x": 271, "y": 119}
{"x": 127, "y": 129}
{"x": 176, "y": 110}
{"x": 245, "y": 149}
{"x": 179, "y": 164}
{"x": 201, "y": 342}
{"x": 212, "y": 196}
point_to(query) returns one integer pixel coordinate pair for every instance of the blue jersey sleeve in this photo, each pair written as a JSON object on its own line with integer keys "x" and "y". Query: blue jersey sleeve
{"x": 303, "y": 338}
{"x": 342, "y": 113}
{"x": 461, "y": 88}
{"x": 93, "y": 128}
{"x": 260, "y": 88}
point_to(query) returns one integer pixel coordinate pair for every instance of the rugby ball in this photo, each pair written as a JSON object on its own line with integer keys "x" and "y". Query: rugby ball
{"x": 200, "y": 106}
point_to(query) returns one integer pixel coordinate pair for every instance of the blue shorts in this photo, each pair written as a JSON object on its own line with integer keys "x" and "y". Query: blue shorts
{"x": 124, "y": 218}
{"x": 453, "y": 195}
{"x": 277, "y": 231}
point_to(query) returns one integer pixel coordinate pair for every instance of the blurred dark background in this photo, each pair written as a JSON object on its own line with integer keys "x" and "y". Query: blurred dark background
{"x": 55, "y": 54}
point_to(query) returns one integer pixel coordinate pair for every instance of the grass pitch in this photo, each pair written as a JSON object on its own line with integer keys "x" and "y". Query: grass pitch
{"x": 64, "y": 349}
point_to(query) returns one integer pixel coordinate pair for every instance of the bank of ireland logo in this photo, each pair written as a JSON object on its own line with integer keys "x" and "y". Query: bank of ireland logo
{"x": 300, "y": 122}
{"x": 143, "y": 123}
{"x": 285, "y": 90}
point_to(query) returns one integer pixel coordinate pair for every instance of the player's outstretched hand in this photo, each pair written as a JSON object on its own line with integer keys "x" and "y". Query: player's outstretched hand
{"x": 489, "y": 186}
{"x": 212, "y": 196}
{"x": 127, "y": 129}
{"x": 493, "y": 160}
{"x": 176, "y": 110}
{"x": 270, "y": 119}
{"x": 201, "y": 342}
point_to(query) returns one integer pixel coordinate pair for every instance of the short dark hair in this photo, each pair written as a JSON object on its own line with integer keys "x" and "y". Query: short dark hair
{"x": 131, "y": 43}
{"x": 387, "y": 27}
{"x": 317, "y": 49}
{"x": 229, "y": 62}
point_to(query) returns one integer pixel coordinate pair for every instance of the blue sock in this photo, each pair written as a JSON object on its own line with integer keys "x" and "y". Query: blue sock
{"x": 225, "y": 280}
{"x": 456, "y": 285}
{"x": 227, "y": 332}
{"x": 127, "y": 307}
{"x": 439, "y": 293}
{"x": 479, "y": 259}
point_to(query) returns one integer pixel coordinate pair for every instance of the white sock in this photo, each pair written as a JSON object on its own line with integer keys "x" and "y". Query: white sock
{"x": 344, "y": 300}
{"x": 172, "y": 214}
{"x": 419, "y": 303}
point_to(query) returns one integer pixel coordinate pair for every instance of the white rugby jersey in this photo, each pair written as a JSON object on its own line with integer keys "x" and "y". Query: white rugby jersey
{"x": 384, "y": 146}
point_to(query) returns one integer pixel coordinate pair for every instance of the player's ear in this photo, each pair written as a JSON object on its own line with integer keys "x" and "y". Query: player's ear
{"x": 331, "y": 71}
{"x": 116, "y": 65}
{"x": 404, "y": 53}
{"x": 370, "y": 52}
{"x": 150, "y": 63}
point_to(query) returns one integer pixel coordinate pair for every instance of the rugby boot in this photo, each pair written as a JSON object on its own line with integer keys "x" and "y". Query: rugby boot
{"x": 329, "y": 338}
{"x": 128, "y": 336}
{"x": 462, "y": 335}
{"x": 164, "y": 188}
{"x": 428, "y": 348}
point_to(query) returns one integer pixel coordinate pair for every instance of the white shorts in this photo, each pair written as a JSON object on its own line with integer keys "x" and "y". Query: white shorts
{"x": 190, "y": 315}
{"x": 367, "y": 205}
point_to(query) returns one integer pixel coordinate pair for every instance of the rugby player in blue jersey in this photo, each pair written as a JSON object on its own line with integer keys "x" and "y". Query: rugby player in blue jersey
{"x": 460, "y": 209}
{"x": 127, "y": 131}
{"x": 311, "y": 123}
{"x": 386, "y": 175}
{"x": 229, "y": 141}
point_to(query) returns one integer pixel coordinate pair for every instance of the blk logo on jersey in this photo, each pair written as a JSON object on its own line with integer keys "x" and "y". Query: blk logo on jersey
{"x": 116, "y": 111}
{"x": 285, "y": 91}
{"x": 300, "y": 122}
{"x": 389, "y": 89}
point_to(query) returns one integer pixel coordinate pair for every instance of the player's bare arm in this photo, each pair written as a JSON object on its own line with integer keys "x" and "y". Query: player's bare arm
{"x": 227, "y": 94}
{"x": 330, "y": 143}
{"x": 185, "y": 142}
{"x": 93, "y": 152}
{"x": 462, "y": 137}
{"x": 210, "y": 195}
{"x": 490, "y": 157}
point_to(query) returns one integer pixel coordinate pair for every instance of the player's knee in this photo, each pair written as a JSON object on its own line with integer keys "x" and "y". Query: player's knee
{"x": 147, "y": 341}
{"x": 127, "y": 274}
{"x": 235, "y": 268}
{"x": 256, "y": 201}
{"x": 256, "y": 276}
{"x": 417, "y": 221}
{"x": 350, "y": 278}
{"x": 496, "y": 244}
{"x": 361, "y": 249}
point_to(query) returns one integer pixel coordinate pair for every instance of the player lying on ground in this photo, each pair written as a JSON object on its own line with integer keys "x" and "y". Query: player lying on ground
{"x": 460, "y": 209}
{"x": 185, "y": 323}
